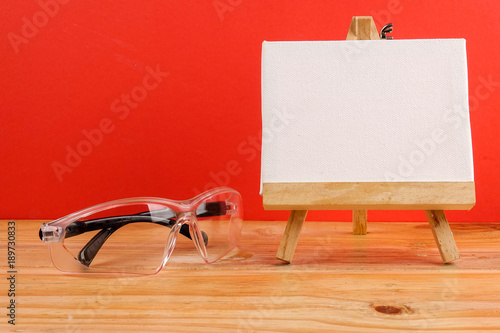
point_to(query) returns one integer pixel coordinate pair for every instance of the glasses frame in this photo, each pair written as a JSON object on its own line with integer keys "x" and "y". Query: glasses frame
{"x": 184, "y": 222}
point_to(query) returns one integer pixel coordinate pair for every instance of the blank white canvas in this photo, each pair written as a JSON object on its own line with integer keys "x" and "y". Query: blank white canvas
{"x": 365, "y": 111}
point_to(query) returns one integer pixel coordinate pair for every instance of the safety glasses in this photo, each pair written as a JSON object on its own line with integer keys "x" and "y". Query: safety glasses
{"x": 138, "y": 235}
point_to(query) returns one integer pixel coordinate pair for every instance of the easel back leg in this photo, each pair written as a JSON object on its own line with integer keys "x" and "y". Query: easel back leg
{"x": 359, "y": 222}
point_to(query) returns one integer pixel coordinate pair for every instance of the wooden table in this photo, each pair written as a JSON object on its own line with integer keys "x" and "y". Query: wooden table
{"x": 390, "y": 280}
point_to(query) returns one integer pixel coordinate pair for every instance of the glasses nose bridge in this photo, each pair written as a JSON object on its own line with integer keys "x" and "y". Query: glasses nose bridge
{"x": 186, "y": 217}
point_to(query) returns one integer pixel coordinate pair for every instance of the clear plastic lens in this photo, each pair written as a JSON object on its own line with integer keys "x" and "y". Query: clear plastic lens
{"x": 130, "y": 237}
{"x": 138, "y": 246}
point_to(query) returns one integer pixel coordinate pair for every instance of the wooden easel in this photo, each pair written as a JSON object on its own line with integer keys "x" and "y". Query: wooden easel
{"x": 433, "y": 197}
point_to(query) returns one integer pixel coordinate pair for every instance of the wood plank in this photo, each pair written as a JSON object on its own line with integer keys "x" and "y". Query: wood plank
{"x": 442, "y": 235}
{"x": 291, "y": 235}
{"x": 359, "y": 221}
{"x": 369, "y": 196}
{"x": 392, "y": 280}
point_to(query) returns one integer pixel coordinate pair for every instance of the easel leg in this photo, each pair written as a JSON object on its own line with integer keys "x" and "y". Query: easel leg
{"x": 359, "y": 218}
{"x": 291, "y": 235}
{"x": 443, "y": 235}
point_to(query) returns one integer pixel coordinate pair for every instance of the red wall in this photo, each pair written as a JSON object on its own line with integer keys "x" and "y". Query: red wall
{"x": 68, "y": 71}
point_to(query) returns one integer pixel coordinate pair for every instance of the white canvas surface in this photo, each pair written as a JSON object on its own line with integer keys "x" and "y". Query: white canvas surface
{"x": 365, "y": 111}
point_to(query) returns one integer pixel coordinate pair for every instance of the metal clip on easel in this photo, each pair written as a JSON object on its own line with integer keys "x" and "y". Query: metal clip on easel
{"x": 386, "y": 29}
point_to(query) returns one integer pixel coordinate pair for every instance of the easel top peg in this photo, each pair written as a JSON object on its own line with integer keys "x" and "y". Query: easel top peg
{"x": 362, "y": 28}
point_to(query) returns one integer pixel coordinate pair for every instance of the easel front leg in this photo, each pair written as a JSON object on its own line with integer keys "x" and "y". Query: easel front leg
{"x": 443, "y": 235}
{"x": 359, "y": 219}
{"x": 291, "y": 235}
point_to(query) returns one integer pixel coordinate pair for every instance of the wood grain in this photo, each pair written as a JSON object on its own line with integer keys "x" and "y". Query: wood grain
{"x": 369, "y": 196}
{"x": 391, "y": 280}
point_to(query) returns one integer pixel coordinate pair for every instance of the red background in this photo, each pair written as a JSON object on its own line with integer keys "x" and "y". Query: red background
{"x": 203, "y": 119}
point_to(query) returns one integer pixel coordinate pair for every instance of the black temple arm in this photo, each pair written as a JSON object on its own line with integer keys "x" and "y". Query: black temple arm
{"x": 89, "y": 251}
{"x": 216, "y": 208}
{"x": 79, "y": 227}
